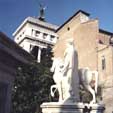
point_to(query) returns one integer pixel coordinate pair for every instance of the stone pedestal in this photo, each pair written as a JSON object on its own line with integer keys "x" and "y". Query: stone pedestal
{"x": 57, "y": 107}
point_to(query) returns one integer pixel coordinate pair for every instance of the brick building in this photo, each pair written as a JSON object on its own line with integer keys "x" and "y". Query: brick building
{"x": 94, "y": 47}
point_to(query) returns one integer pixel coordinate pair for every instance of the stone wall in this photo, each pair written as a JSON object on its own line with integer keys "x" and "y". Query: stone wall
{"x": 92, "y": 44}
{"x": 84, "y": 35}
{"x": 85, "y": 42}
{"x": 106, "y": 52}
{"x": 108, "y": 99}
{"x": 106, "y": 75}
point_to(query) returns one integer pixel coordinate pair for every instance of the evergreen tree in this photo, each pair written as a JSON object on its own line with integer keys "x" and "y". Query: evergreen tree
{"x": 32, "y": 85}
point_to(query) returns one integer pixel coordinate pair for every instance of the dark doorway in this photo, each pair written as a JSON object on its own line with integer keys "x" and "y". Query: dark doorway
{"x": 34, "y": 51}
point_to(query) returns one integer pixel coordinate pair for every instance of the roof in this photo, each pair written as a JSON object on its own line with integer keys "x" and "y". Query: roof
{"x": 37, "y": 22}
{"x": 12, "y": 49}
{"x": 105, "y": 32}
{"x": 79, "y": 11}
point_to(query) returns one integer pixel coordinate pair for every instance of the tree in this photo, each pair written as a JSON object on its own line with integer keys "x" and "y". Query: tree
{"x": 32, "y": 85}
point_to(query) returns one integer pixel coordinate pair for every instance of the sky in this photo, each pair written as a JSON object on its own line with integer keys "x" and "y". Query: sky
{"x": 13, "y": 12}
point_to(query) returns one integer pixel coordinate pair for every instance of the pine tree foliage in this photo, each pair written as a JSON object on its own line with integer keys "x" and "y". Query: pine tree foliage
{"x": 32, "y": 85}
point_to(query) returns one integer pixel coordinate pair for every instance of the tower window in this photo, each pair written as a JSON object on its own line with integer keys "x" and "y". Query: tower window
{"x": 37, "y": 33}
{"x": 68, "y": 28}
{"x": 17, "y": 38}
{"x": 52, "y": 37}
{"x": 44, "y": 36}
{"x": 103, "y": 63}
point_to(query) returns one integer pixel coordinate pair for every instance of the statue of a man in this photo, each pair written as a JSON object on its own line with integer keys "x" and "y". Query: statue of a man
{"x": 70, "y": 73}
{"x": 42, "y": 12}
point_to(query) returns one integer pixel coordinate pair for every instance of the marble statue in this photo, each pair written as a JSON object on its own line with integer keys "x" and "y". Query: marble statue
{"x": 57, "y": 77}
{"x": 86, "y": 78}
{"x": 67, "y": 81}
{"x": 42, "y": 12}
{"x": 66, "y": 74}
{"x": 70, "y": 82}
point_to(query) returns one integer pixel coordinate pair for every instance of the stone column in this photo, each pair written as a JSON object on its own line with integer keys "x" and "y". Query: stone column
{"x": 26, "y": 46}
{"x": 39, "y": 55}
{"x": 33, "y": 33}
{"x": 41, "y": 36}
{"x": 31, "y": 48}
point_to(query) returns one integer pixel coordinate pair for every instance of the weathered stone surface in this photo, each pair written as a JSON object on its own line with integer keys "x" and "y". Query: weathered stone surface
{"x": 54, "y": 107}
{"x": 108, "y": 99}
{"x": 92, "y": 45}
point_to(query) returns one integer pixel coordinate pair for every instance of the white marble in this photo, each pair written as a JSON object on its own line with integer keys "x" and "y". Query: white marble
{"x": 34, "y": 31}
{"x": 57, "y": 77}
{"x": 59, "y": 107}
{"x": 68, "y": 80}
{"x": 86, "y": 78}
{"x": 39, "y": 55}
{"x": 70, "y": 72}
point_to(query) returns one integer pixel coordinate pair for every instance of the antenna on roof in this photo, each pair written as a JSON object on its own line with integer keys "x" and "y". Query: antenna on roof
{"x": 42, "y": 12}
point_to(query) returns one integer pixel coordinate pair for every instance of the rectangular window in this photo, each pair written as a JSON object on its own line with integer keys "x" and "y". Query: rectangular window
{"x": 37, "y": 33}
{"x": 17, "y": 38}
{"x": 44, "y": 36}
{"x": 52, "y": 37}
{"x": 103, "y": 63}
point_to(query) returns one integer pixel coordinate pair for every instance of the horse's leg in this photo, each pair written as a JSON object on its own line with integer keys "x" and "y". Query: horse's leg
{"x": 51, "y": 91}
{"x": 52, "y": 69}
{"x": 96, "y": 81}
{"x": 60, "y": 91}
{"x": 90, "y": 89}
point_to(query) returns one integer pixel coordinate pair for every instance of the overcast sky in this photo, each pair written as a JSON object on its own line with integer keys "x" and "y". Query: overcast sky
{"x": 13, "y": 12}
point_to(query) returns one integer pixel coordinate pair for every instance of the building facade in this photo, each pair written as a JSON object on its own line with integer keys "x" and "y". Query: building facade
{"x": 94, "y": 47}
{"x": 34, "y": 35}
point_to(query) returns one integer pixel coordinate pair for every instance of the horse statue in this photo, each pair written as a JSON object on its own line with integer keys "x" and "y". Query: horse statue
{"x": 86, "y": 79}
{"x": 66, "y": 74}
{"x": 57, "y": 77}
